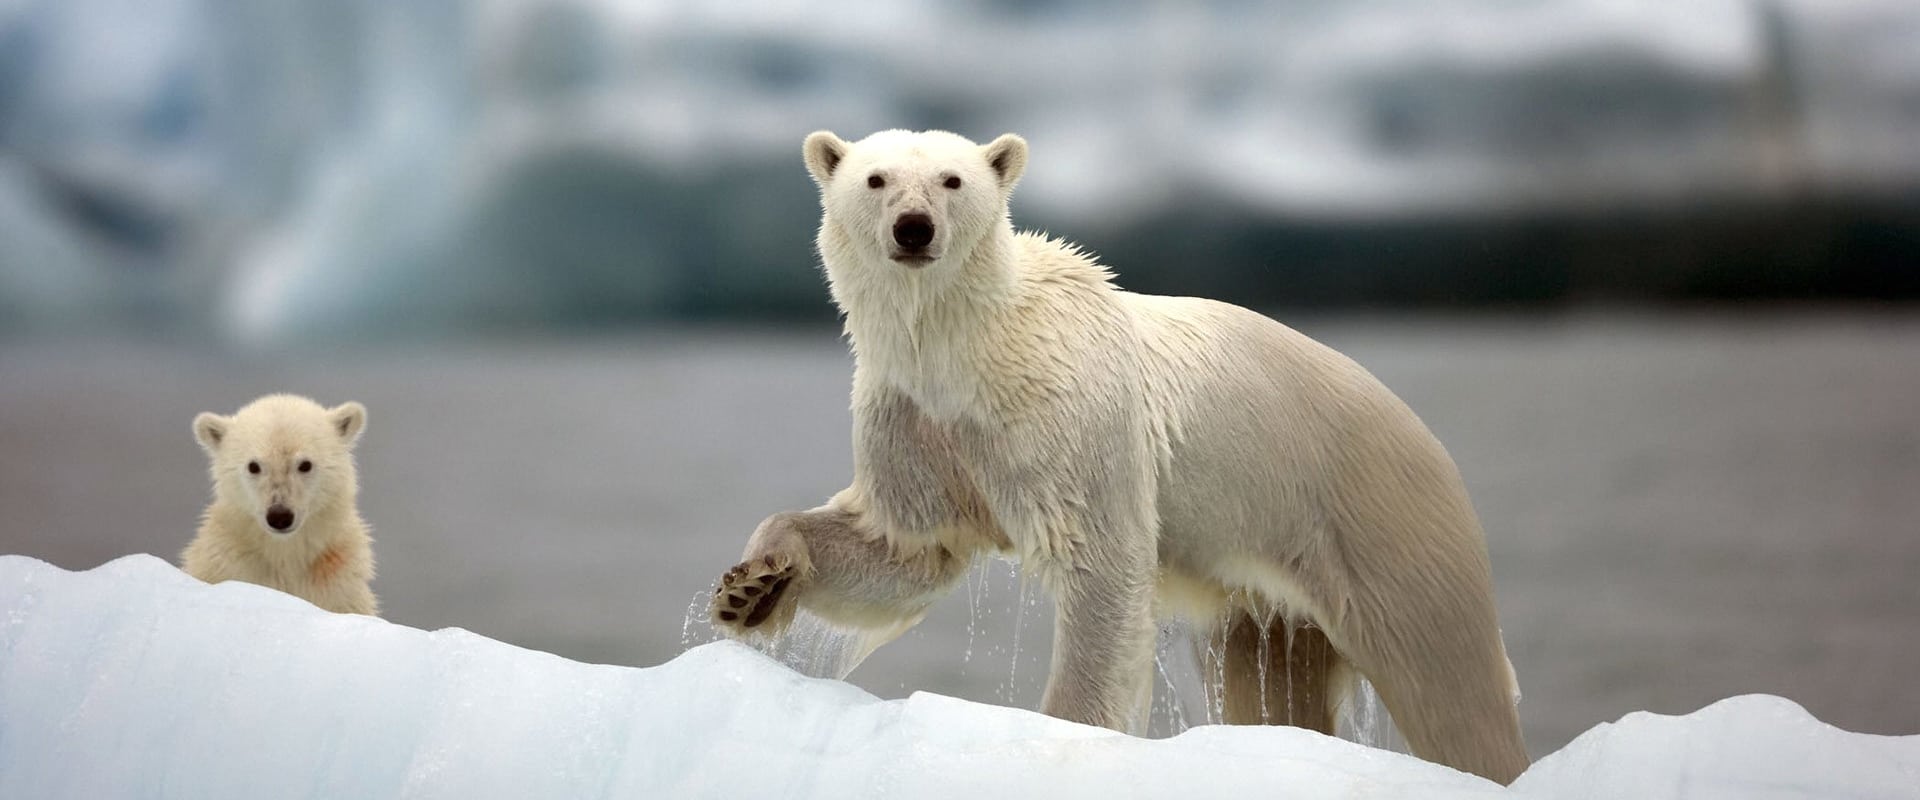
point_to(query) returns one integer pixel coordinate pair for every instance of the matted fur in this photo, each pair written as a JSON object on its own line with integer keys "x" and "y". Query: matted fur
{"x": 1135, "y": 452}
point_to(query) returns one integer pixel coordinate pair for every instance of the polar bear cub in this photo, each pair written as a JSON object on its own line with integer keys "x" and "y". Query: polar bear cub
{"x": 1140, "y": 455}
{"x": 284, "y": 512}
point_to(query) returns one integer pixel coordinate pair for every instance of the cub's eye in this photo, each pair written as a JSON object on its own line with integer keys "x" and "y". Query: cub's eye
{"x": 253, "y": 467}
{"x": 953, "y": 182}
{"x": 875, "y": 181}
{"x": 306, "y": 466}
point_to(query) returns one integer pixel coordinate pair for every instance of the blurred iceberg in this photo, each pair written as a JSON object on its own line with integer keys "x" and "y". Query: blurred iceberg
{"x": 133, "y": 679}
{"x": 283, "y": 168}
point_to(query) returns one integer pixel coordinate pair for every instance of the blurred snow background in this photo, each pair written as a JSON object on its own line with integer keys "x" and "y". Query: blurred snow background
{"x": 285, "y": 167}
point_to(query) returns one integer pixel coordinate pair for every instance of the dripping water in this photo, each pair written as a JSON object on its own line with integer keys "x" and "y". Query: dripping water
{"x": 810, "y": 645}
{"x": 1363, "y": 719}
{"x": 692, "y": 634}
{"x": 1174, "y": 664}
{"x": 973, "y": 613}
{"x": 1216, "y": 679}
{"x": 1021, "y": 600}
{"x": 1189, "y": 661}
{"x": 817, "y": 648}
{"x": 1286, "y": 647}
{"x": 1264, "y": 656}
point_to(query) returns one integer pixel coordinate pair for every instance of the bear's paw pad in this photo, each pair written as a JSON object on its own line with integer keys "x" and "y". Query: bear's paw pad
{"x": 750, "y": 592}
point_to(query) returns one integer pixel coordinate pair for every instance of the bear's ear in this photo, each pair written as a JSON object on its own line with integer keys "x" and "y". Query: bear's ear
{"x": 209, "y": 428}
{"x": 348, "y": 419}
{"x": 823, "y": 152}
{"x": 1007, "y": 156}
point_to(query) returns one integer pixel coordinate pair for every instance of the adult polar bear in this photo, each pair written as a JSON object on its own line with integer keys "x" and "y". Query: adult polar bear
{"x": 1138, "y": 454}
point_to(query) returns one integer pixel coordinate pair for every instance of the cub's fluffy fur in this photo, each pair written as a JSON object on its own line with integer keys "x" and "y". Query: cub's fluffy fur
{"x": 284, "y": 512}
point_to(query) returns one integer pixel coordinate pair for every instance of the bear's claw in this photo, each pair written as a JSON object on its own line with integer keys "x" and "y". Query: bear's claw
{"x": 750, "y": 593}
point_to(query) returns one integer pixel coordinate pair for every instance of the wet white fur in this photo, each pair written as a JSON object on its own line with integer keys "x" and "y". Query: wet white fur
{"x": 1008, "y": 397}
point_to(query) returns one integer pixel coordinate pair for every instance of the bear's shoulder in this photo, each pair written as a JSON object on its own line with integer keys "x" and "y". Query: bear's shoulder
{"x": 1050, "y": 259}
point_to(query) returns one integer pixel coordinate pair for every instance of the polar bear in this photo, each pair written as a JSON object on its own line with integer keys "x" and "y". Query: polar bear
{"x": 284, "y": 513}
{"x": 1140, "y": 455}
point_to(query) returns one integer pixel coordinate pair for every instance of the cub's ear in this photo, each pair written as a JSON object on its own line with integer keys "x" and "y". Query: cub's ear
{"x": 348, "y": 419}
{"x": 1007, "y": 156}
{"x": 823, "y": 152}
{"x": 209, "y": 429}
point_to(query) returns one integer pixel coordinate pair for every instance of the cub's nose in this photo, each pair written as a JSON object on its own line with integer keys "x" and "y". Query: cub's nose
{"x": 279, "y": 517}
{"x": 913, "y": 231}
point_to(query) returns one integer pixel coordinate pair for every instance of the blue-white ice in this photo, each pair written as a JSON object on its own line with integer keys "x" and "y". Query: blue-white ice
{"x": 134, "y": 680}
{"x": 310, "y": 162}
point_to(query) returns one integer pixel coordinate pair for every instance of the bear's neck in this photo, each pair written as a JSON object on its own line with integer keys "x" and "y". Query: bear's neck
{"x": 907, "y": 324}
{"x": 880, "y": 297}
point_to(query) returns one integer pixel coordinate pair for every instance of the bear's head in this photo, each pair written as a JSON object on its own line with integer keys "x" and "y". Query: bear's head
{"x": 912, "y": 200}
{"x": 283, "y": 458}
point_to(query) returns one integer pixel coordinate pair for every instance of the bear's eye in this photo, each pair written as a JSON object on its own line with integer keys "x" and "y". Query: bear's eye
{"x": 953, "y": 182}
{"x": 306, "y": 466}
{"x": 875, "y": 181}
{"x": 253, "y": 467}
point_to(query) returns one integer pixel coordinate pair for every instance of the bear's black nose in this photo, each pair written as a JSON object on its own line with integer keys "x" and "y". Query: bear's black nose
{"x": 913, "y": 231}
{"x": 279, "y": 517}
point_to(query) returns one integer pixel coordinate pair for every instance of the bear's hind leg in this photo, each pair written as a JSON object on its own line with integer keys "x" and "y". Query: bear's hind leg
{"x": 1271, "y": 672}
{"x": 1438, "y": 664}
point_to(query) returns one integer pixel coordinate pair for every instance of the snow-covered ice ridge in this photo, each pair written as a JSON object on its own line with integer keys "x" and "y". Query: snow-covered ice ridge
{"x": 133, "y": 679}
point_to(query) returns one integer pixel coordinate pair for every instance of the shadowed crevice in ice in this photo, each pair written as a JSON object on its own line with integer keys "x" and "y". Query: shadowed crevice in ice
{"x": 133, "y": 679}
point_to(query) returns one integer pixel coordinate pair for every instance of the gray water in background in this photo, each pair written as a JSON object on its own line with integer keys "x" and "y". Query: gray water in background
{"x": 1679, "y": 508}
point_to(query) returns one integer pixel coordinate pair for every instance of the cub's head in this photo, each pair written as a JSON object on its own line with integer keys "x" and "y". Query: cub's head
{"x": 912, "y": 200}
{"x": 283, "y": 458}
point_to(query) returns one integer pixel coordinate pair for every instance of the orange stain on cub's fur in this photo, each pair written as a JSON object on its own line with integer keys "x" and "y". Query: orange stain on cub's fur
{"x": 328, "y": 565}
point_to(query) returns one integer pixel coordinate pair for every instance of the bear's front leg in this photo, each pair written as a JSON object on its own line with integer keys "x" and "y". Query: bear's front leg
{"x": 831, "y": 561}
{"x": 761, "y": 589}
{"x": 1088, "y": 526}
{"x": 1103, "y": 640}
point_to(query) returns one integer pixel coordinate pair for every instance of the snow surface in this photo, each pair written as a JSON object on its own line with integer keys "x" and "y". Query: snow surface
{"x": 133, "y": 679}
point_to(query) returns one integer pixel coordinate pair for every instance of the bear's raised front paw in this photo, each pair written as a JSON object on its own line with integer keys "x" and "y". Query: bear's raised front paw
{"x": 751, "y": 593}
